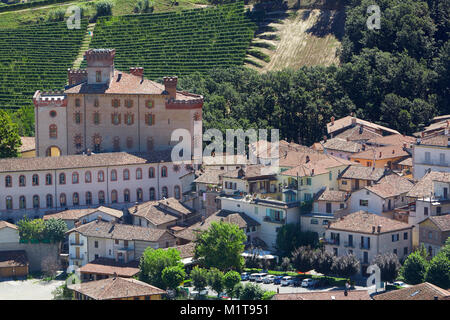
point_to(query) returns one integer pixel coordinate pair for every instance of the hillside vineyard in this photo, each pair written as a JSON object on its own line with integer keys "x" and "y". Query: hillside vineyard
{"x": 177, "y": 43}
{"x": 35, "y": 57}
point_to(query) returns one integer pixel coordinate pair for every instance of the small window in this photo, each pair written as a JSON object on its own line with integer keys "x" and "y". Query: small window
{"x": 53, "y": 113}
{"x": 405, "y": 236}
{"x": 128, "y": 103}
{"x": 149, "y": 104}
{"x": 115, "y": 103}
{"x": 35, "y": 180}
{"x": 77, "y": 102}
{"x": 364, "y": 203}
{"x": 62, "y": 178}
{"x": 98, "y": 76}
{"x": 96, "y": 102}
{"x": 314, "y": 221}
{"x": 22, "y": 181}
{"x": 88, "y": 177}
{"x": 96, "y": 244}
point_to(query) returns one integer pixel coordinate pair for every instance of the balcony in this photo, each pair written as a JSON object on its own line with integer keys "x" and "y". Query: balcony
{"x": 349, "y": 244}
{"x": 364, "y": 246}
{"x": 334, "y": 242}
{"x": 77, "y": 243}
{"x": 269, "y": 219}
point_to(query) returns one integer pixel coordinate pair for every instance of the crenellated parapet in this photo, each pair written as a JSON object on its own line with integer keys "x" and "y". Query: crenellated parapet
{"x": 76, "y": 76}
{"x": 49, "y": 98}
{"x": 100, "y": 55}
{"x": 185, "y": 104}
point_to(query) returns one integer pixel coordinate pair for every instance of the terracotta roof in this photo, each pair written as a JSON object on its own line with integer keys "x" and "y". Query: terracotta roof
{"x": 186, "y": 250}
{"x": 250, "y": 172}
{"x": 28, "y": 144}
{"x": 240, "y": 219}
{"x": 381, "y": 153}
{"x": 320, "y": 166}
{"x": 425, "y": 186}
{"x": 442, "y": 222}
{"x": 342, "y": 145}
{"x": 330, "y": 195}
{"x": 423, "y": 291}
{"x": 126, "y": 83}
{"x": 358, "y": 133}
{"x": 390, "y": 186}
{"x": 264, "y": 148}
{"x": 5, "y": 224}
{"x": 160, "y": 211}
{"x": 406, "y": 162}
{"x": 83, "y": 161}
{"x": 115, "y": 288}
{"x": 325, "y": 295}
{"x": 363, "y": 173}
{"x": 362, "y": 222}
{"x": 76, "y": 214}
{"x": 119, "y": 231}
{"x": 13, "y": 258}
{"x": 225, "y": 160}
{"x": 107, "y": 266}
{"x": 393, "y": 139}
{"x": 347, "y": 122}
{"x": 317, "y": 146}
{"x": 210, "y": 176}
{"x": 439, "y": 140}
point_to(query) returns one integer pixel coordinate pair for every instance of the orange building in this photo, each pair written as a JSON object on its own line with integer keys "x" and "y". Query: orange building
{"x": 381, "y": 157}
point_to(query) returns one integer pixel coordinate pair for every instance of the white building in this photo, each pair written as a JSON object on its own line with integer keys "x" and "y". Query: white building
{"x": 431, "y": 152}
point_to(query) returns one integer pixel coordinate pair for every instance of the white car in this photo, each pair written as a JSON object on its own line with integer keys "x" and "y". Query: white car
{"x": 288, "y": 280}
{"x": 400, "y": 284}
{"x": 269, "y": 278}
{"x": 308, "y": 283}
{"x": 260, "y": 277}
{"x": 253, "y": 276}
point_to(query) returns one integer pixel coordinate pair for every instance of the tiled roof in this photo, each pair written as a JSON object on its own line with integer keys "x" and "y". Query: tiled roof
{"x": 406, "y": 162}
{"x": 126, "y": 83}
{"x": 342, "y": 145}
{"x": 325, "y": 295}
{"x": 393, "y": 139}
{"x": 358, "y": 133}
{"x": 240, "y": 219}
{"x": 423, "y": 291}
{"x": 320, "y": 166}
{"x": 107, "y": 266}
{"x": 119, "y": 231}
{"x": 331, "y": 195}
{"x": 4, "y": 224}
{"x": 115, "y": 288}
{"x": 381, "y": 153}
{"x": 317, "y": 146}
{"x": 77, "y": 214}
{"x": 28, "y": 144}
{"x": 362, "y": 222}
{"x": 442, "y": 222}
{"x": 186, "y": 250}
{"x": 13, "y": 258}
{"x": 160, "y": 211}
{"x": 210, "y": 176}
{"x": 294, "y": 158}
{"x": 439, "y": 140}
{"x": 363, "y": 173}
{"x": 347, "y": 122}
{"x": 250, "y": 172}
{"x": 390, "y": 186}
{"x": 425, "y": 186}
{"x": 82, "y": 161}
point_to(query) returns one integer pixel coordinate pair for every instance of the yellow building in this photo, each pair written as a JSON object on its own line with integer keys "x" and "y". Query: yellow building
{"x": 380, "y": 157}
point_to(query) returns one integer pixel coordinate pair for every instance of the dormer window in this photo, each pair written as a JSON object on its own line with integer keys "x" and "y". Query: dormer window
{"x": 98, "y": 76}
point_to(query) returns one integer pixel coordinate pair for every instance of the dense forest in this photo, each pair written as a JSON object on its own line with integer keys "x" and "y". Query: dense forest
{"x": 396, "y": 76}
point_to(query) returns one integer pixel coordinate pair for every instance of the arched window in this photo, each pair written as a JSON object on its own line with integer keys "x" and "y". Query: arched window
{"x": 114, "y": 196}
{"x": 138, "y": 174}
{"x": 75, "y": 178}
{"x": 164, "y": 172}
{"x": 48, "y": 179}
{"x": 101, "y": 176}
{"x": 62, "y": 178}
{"x": 88, "y": 177}
{"x": 126, "y": 195}
{"x": 151, "y": 173}
{"x": 35, "y": 180}
{"x": 9, "y": 203}
{"x": 22, "y": 181}
{"x": 101, "y": 197}
{"x": 152, "y": 194}
{"x": 62, "y": 200}
{"x": 139, "y": 195}
{"x": 126, "y": 174}
{"x": 36, "y": 201}
{"x": 22, "y": 202}
{"x": 8, "y": 182}
{"x": 76, "y": 199}
{"x": 176, "y": 192}
{"x": 113, "y": 175}
{"x": 88, "y": 198}
{"x": 53, "y": 131}
{"x": 165, "y": 192}
{"x": 49, "y": 200}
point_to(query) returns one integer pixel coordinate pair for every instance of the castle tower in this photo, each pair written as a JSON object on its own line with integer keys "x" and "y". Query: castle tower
{"x": 100, "y": 65}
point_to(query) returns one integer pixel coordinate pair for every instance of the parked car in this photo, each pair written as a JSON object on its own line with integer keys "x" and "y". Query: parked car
{"x": 297, "y": 282}
{"x": 260, "y": 277}
{"x": 245, "y": 276}
{"x": 400, "y": 284}
{"x": 253, "y": 276}
{"x": 269, "y": 278}
{"x": 286, "y": 281}
{"x": 308, "y": 283}
{"x": 277, "y": 279}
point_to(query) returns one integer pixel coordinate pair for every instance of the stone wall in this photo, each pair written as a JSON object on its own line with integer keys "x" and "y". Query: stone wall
{"x": 36, "y": 252}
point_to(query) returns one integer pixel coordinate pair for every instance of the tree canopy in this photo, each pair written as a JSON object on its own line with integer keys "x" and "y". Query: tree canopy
{"x": 154, "y": 261}
{"x": 9, "y": 137}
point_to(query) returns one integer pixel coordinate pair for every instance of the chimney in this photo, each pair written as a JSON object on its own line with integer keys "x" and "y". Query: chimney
{"x": 88, "y": 152}
{"x": 325, "y": 138}
{"x": 137, "y": 72}
{"x": 404, "y": 146}
{"x": 379, "y": 228}
{"x": 393, "y": 151}
{"x": 332, "y": 120}
{"x": 99, "y": 218}
{"x": 436, "y": 298}
{"x": 422, "y": 134}
{"x": 363, "y": 147}
{"x": 353, "y": 121}
{"x": 170, "y": 85}
{"x": 373, "y": 229}
{"x": 77, "y": 224}
{"x": 115, "y": 275}
{"x": 307, "y": 159}
{"x": 312, "y": 172}
{"x": 380, "y": 154}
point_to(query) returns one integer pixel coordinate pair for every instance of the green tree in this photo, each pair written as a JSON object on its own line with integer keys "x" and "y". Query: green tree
{"x": 143, "y": 6}
{"x": 154, "y": 261}
{"x": 290, "y": 237}
{"x": 199, "y": 278}
{"x": 346, "y": 266}
{"x": 438, "y": 271}
{"x": 230, "y": 280}
{"x": 104, "y": 8}
{"x": 251, "y": 291}
{"x": 389, "y": 266}
{"x": 9, "y": 137}
{"x": 173, "y": 276}
{"x": 323, "y": 261}
{"x": 414, "y": 268}
{"x": 31, "y": 229}
{"x": 56, "y": 15}
{"x": 221, "y": 246}
{"x": 62, "y": 293}
{"x": 216, "y": 280}
{"x": 55, "y": 229}
{"x": 303, "y": 259}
